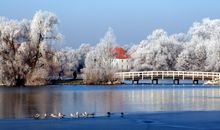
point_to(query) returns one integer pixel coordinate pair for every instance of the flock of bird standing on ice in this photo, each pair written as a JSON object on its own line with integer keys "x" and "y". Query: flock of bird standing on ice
{"x": 72, "y": 115}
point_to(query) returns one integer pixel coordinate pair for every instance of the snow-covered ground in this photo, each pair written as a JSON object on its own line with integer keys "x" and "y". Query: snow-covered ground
{"x": 139, "y": 121}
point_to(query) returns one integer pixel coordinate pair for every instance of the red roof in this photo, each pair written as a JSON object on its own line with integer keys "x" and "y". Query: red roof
{"x": 120, "y": 53}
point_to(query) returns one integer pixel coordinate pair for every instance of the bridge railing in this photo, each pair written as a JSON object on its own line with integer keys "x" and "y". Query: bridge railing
{"x": 167, "y": 74}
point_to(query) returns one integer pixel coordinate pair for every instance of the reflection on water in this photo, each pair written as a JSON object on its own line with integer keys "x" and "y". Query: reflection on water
{"x": 24, "y": 102}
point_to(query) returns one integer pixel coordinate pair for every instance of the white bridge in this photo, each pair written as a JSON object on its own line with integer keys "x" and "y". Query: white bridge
{"x": 175, "y": 75}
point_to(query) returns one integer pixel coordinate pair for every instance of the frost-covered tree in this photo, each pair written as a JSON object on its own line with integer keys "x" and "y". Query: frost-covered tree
{"x": 69, "y": 59}
{"x": 98, "y": 68}
{"x": 83, "y": 50}
{"x": 158, "y": 52}
{"x": 192, "y": 58}
{"x": 202, "y": 51}
{"x": 25, "y": 50}
{"x": 197, "y": 50}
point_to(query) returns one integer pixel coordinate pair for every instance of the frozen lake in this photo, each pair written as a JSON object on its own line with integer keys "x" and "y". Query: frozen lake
{"x": 27, "y": 101}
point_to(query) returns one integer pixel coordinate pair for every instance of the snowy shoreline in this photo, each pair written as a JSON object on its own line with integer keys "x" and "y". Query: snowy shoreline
{"x": 136, "y": 121}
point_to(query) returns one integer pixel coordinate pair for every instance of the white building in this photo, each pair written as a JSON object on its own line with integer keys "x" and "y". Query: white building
{"x": 121, "y": 60}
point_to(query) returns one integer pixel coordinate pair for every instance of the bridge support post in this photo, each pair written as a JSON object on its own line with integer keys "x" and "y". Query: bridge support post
{"x": 176, "y": 81}
{"x": 155, "y": 80}
{"x": 137, "y": 81}
{"x": 195, "y": 81}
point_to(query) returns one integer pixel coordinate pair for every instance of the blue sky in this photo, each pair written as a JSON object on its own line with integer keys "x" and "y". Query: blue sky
{"x": 86, "y": 21}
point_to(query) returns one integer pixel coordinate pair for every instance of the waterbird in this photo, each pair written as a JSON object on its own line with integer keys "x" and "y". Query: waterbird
{"x": 44, "y": 116}
{"x": 72, "y": 115}
{"x": 60, "y": 115}
{"x": 92, "y": 115}
{"x": 108, "y": 114}
{"x": 85, "y": 114}
{"x": 53, "y": 115}
{"x": 36, "y": 116}
{"x": 122, "y": 114}
{"x": 76, "y": 115}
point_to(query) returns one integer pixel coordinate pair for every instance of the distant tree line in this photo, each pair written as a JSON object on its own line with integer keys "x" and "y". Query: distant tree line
{"x": 197, "y": 50}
